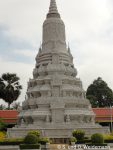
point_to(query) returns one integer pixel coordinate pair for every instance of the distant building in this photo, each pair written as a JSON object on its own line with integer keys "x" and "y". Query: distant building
{"x": 9, "y": 117}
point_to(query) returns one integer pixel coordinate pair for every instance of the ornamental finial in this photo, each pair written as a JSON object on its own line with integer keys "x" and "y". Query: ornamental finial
{"x": 53, "y": 12}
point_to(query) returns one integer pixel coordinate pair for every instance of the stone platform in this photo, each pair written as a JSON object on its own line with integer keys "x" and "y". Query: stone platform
{"x": 55, "y": 133}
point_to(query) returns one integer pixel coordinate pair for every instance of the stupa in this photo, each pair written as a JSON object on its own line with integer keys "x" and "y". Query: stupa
{"x": 55, "y": 103}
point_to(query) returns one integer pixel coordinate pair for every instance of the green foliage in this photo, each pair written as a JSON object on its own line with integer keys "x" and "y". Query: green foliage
{"x": 31, "y": 146}
{"x": 99, "y": 94}
{"x": 35, "y": 132}
{"x": 104, "y": 144}
{"x": 108, "y": 138}
{"x": 2, "y": 125}
{"x": 11, "y": 141}
{"x": 10, "y": 88}
{"x": 2, "y": 135}
{"x": 85, "y": 141}
{"x": 73, "y": 140}
{"x": 31, "y": 139}
{"x": 79, "y": 134}
{"x": 43, "y": 141}
{"x": 97, "y": 138}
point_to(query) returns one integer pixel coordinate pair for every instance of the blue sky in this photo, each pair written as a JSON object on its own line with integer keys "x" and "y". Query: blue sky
{"x": 89, "y": 31}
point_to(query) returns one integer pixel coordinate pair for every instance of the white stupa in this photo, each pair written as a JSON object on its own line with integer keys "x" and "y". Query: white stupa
{"x": 55, "y": 102}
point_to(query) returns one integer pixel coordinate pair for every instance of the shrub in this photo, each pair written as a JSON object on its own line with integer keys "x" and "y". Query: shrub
{"x": 43, "y": 141}
{"x": 79, "y": 134}
{"x": 37, "y": 133}
{"x": 97, "y": 138}
{"x": 11, "y": 141}
{"x": 108, "y": 138}
{"x": 31, "y": 146}
{"x": 104, "y": 144}
{"x": 2, "y": 125}
{"x": 2, "y": 135}
{"x": 85, "y": 141}
{"x": 73, "y": 140}
{"x": 31, "y": 139}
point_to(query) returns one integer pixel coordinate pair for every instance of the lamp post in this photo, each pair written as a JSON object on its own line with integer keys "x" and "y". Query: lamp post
{"x": 111, "y": 117}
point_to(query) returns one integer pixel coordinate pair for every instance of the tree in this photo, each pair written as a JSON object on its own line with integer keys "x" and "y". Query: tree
{"x": 99, "y": 94}
{"x": 10, "y": 88}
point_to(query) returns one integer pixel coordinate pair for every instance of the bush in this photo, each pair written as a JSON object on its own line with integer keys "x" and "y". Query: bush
{"x": 2, "y": 135}
{"x": 37, "y": 133}
{"x": 73, "y": 140}
{"x": 85, "y": 141}
{"x": 108, "y": 138}
{"x": 31, "y": 146}
{"x": 97, "y": 138}
{"x": 31, "y": 139}
{"x": 104, "y": 144}
{"x": 43, "y": 141}
{"x": 2, "y": 125}
{"x": 79, "y": 134}
{"x": 11, "y": 142}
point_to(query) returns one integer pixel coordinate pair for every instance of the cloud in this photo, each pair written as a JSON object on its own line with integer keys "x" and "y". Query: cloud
{"x": 27, "y": 53}
{"x": 15, "y": 48}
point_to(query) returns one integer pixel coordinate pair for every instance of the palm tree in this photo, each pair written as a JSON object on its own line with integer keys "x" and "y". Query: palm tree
{"x": 10, "y": 89}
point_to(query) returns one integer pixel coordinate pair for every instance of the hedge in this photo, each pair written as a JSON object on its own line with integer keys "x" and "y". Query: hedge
{"x": 30, "y": 146}
{"x": 97, "y": 138}
{"x": 11, "y": 142}
{"x": 43, "y": 141}
{"x": 97, "y": 144}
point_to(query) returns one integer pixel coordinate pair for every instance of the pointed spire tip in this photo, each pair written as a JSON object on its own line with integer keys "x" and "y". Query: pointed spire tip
{"x": 53, "y": 12}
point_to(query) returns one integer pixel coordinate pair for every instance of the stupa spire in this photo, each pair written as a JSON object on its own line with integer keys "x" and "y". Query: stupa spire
{"x": 53, "y": 11}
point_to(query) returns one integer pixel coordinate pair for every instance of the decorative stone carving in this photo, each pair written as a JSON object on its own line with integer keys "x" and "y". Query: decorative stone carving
{"x": 22, "y": 122}
{"x": 68, "y": 118}
{"x": 47, "y": 119}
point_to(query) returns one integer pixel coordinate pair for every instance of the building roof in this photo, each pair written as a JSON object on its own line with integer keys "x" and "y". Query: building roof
{"x": 9, "y": 116}
{"x": 103, "y": 111}
{"x": 103, "y": 114}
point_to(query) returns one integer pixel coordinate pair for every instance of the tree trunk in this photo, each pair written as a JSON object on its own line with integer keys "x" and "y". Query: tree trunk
{"x": 8, "y": 106}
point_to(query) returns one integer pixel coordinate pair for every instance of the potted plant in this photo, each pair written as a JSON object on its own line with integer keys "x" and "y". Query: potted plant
{"x": 79, "y": 134}
{"x": 45, "y": 142}
{"x": 73, "y": 140}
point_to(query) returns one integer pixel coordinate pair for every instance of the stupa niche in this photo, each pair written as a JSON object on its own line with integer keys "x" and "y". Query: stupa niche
{"x": 55, "y": 103}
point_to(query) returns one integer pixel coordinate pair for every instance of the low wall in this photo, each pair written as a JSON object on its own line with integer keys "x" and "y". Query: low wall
{"x": 9, "y": 147}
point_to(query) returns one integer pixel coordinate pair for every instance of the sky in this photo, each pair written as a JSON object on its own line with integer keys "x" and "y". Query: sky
{"x": 89, "y": 32}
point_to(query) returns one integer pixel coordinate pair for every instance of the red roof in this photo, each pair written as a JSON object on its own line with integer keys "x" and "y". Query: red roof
{"x": 103, "y": 111}
{"x": 103, "y": 114}
{"x": 9, "y": 116}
